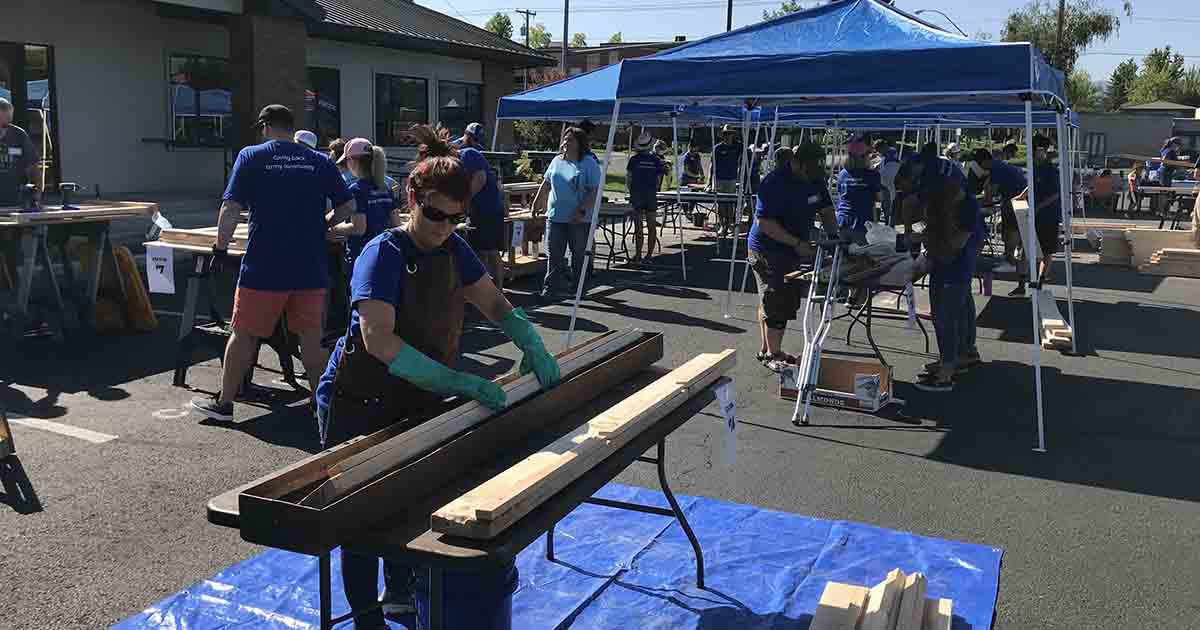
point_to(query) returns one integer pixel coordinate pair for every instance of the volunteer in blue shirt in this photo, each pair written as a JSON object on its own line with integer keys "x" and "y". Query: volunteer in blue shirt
{"x": 693, "y": 166}
{"x": 1047, "y": 214}
{"x": 643, "y": 173}
{"x": 285, "y": 186}
{"x": 1005, "y": 182}
{"x": 858, "y": 190}
{"x": 726, "y": 160}
{"x": 487, "y": 206}
{"x": 567, "y": 194}
{"x": 789, "y": 199}
{"x": 1170, "y": 151}
{"x": 952, "y": 236}
{"x": 396, "y": 363}
{"x": 376, "y": 205}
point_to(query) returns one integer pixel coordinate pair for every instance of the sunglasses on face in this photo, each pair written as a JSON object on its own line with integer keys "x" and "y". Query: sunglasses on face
{"x": 434, "y": 214}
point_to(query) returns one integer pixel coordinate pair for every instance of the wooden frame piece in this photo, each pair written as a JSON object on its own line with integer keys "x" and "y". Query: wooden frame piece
{"x": 97, "y": 212}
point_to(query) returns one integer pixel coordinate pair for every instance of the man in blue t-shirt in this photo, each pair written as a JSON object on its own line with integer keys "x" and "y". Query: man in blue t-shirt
{"x": 487, "y": 205}
{"x": 789, "y": 198}
{"x": 692, "y": 171}
{"x": 1047, "y": 213}
{"x": 285, "y": 186}
{"x": 1004, "y": 183}
{"x": 642, "y": 174}
{"x": 723, "y": 173}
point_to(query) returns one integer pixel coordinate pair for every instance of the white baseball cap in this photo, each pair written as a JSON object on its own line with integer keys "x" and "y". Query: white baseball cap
{"x": 307, "y": 138}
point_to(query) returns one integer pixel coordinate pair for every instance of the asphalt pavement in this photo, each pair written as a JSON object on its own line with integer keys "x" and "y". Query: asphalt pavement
{"x": 1100, "y": 532}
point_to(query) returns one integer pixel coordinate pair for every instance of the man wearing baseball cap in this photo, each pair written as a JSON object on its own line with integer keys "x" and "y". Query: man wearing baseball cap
{"x": 307, "y": 138}
{"x": 285, "y": 186}
{"x": 726, "y": 160}
{"x": 18, "y": 157}
{"x": 487, "y": 205}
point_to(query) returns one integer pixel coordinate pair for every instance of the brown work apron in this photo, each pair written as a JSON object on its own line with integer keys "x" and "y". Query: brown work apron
{"x": 366, "y": 398}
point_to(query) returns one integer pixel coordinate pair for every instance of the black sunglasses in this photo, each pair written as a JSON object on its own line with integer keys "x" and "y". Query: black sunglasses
{"x": 434, "y": 214}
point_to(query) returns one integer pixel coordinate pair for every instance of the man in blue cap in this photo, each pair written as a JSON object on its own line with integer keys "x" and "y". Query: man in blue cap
{"x": 487, "y": 205}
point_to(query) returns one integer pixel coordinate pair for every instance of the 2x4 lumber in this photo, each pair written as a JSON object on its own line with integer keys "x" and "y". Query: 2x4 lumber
{"x": 1021, "y": 210}
{"x": 912, "y": 603}
{"x": 1144, "y": 243}
{"x": 939, "y": 613}
{"x": 496, "y": 504}
{"x": 883, "y": 602}
{"x": 370, "y": 463}
{"x": 841, "y": 607}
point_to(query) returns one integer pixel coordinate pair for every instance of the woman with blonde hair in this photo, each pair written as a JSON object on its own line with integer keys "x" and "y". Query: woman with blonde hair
{"x": 368, "y": 164}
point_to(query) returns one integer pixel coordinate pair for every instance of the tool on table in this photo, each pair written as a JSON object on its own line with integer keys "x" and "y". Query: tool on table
{"x": 29, "y": 202}
{"x": 67, "y": 189}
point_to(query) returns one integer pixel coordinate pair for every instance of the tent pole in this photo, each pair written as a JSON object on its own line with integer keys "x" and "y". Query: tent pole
{"x": 743, "y": 172}
{"x": 495, "y": 132}
{"x": 761, "y": 164}
{"x": 1066, "y": 172}
{"x": 591, "y": 240}
{"x": 939, "y": 137}
{"x": 678, "y": 200}
{"x": 1034, "y": 280}
{"x": 903, "y": 137}
{"x": 712, "y": 168}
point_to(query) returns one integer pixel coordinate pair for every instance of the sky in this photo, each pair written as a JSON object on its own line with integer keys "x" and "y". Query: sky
{"x": 1154, "y": 22}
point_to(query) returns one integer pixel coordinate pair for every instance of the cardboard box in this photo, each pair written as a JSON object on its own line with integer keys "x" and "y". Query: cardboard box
{"x": 844, "y": 383}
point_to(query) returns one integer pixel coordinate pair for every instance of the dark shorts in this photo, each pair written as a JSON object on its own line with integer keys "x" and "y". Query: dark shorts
{"x": 645, "y": 201}
{"x": 780, "y": 301}
{"x": 1047, "y": 235}
{"x": 1008, "y": 218}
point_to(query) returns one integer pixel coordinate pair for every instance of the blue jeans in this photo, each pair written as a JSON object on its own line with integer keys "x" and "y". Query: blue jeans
{"x": 949, "y": 319}
{"x": 562, "y": 235}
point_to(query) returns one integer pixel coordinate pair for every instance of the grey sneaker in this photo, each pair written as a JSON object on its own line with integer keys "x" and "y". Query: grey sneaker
{"x": 213, "y": 409}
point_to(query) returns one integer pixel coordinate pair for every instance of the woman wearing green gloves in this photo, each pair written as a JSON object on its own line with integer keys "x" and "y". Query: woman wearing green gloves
{"x": 408, "y": 292}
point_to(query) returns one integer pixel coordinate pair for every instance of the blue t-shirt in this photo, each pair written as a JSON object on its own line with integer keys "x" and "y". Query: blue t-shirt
{"x": 791, "y": 202}
{"x": 285, "y": 186}
{"x": 643, "y": 171}
{"x": 1167, "y": 173}
{"x": 691, "y": 162}
{"x": 486, "y": 203}
{"x": 1045, "y": 182}
{"x": 379, "y": 274}
{"x": 727, "y": 158}
{"x": 570, "y": 185}
{"x": 347, "y": 176}
{"x": 856, "y": 197}
{"x": 377, "y": 205}
{"x": 1008, "y": 179}
{"x": 962, "y": 267}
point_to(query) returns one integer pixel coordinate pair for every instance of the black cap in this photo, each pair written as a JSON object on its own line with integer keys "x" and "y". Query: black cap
{"x": 1041, "y": 142}
{"x": 276, "y": 116}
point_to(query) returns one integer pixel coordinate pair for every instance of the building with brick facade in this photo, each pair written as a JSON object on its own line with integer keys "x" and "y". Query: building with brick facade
{"x": 159, "y": 95}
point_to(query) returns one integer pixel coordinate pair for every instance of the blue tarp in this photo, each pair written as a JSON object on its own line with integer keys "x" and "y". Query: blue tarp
{"x": 621, "y": 569}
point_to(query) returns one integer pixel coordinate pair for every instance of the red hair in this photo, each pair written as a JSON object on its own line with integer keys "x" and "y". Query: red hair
{"x": 437, "y": 167}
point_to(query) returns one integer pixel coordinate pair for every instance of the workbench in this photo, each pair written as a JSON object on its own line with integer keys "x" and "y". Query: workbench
{"x": 31, "y": 235}
{"x": 520, "y": 193}
{"x": 407, "y": 537}
{"x": 684, "y": 203}
{"x": 1180, "y": 194}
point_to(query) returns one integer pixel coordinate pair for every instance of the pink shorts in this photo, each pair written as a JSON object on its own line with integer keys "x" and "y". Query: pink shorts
{"x": 255, "y": 311}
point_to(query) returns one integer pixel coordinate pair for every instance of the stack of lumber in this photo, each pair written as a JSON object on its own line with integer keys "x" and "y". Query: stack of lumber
{"x": 1173, "y": 262}
{"x": 896, "y": 603}
{"x": 1081, "y": 227}
{"x": 490, "y": 508}
{"x": 204, "y": 238}
{"x": 1144, "y": 243}
{"x": 1114, "y": 247}
{"x": 1056, "y": 331}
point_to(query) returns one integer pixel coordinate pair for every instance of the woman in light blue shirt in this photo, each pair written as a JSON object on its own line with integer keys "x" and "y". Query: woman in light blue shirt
{"x": 567, "y": 194}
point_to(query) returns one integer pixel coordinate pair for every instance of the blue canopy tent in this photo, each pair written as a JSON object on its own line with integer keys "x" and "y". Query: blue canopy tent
{"x": 862, "y": 56}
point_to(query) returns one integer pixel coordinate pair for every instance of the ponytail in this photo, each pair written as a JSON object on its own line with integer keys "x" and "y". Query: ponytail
{"x": 378, "y": 166}
{"x": 437, "y": 167}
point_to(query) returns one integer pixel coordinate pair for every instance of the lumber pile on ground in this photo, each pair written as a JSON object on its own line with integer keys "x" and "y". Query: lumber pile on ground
{"x": 493, "y": 506}
{"x": 1056, "y": 331}
{"x": 896, "y": 603}
{"x": 1114, "y": 247}
{"x": 1180, "y": 262}
{"x": 1144, "y": 243}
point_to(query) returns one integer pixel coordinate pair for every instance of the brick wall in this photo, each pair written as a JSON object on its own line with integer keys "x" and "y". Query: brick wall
{"x": 269, "y": 65}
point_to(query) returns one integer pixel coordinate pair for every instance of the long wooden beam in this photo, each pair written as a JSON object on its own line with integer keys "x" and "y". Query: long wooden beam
{"x": 493, "y": 506}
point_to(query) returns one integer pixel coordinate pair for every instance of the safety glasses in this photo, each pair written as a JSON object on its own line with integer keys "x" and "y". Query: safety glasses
{"x": 434, "y": 214}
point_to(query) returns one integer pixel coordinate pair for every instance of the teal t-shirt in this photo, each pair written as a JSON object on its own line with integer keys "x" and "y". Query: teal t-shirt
{"x": 570, "y": 184}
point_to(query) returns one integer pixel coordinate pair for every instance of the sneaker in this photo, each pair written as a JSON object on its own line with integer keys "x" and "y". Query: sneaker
{"x": 1017, "y": 292}
{"x": 213, "y": 409}
{"x": 931, "y": 383}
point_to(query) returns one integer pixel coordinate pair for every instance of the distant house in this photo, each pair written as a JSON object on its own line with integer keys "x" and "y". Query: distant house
{"x": 1138, "y": 130}
{"x": 1175, "y": 110}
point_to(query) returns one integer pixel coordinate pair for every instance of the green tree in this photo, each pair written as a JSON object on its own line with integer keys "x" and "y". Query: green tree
{"x": 1189, "y": 87}
{"x": 983, "y": 36}
{"x": 578, "y": 40}
{"x": 1082, "y": 93}
{"x": 539, "y": 37}
{"x": 500, "y": 24}
{"x": 1159, "y": 80}
{"x": 1119, "y": 84}
{"x": 616, "y": 38}
{"x": 789, "y": 6}
{"x": 1085, "y": 22}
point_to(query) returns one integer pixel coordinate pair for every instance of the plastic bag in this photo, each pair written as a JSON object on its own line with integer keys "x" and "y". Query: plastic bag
{"x": 880, "y": 233}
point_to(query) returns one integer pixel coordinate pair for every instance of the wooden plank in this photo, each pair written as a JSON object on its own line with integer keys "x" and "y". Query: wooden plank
{"x": 883, "y": 602}
{"x": 1144, "y": 243}
{"x": 194, "y": 249}
{"x": 93, "y": 212}
{"x": 841, "y": 607}
{"x": 1021, "y": 209}
{"x": 493, "y": 506}
{"x": 205, "y": 237}
{"x": 371, "y": 463}
{"x": 912, "y": 603}
{"x": 1156, "y": 160}
{"x": 939, "y": 613}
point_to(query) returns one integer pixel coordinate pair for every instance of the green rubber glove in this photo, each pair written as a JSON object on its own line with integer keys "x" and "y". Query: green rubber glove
{"x": 415, "y": 367}
{"x": 543, "y": 364}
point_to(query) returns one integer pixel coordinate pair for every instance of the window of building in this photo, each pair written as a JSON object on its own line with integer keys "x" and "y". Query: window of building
{"x": 459, "y": 104}
{"x": 200, "y": 97}
{"x": 323, "y": 104}
{"x": 613, "y": 57}
{"x": 594, "y": 61}
{"x": 400, "y": 102}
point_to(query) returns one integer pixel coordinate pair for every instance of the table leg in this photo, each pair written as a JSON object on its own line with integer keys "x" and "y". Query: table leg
{"x": 326, "y": 605}
{"x": 187, "y": 334}
{"x": 679, "y": 515}
{"x": 550, "y": 544}
{"x": 43, "y": 247}
{"x": 436, "y": 621}
{"x": 97, "y": 240}
{"x": 29, "y": 245}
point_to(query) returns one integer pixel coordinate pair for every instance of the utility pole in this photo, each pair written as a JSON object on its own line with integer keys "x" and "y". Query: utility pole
{"x": 528, "y": 14}
{"x": 566, "y": 22}
{"x": 1062, "y": 57}
{"x": 729, "y": 17}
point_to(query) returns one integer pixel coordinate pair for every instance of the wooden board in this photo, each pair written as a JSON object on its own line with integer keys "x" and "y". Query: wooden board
{"x": 840, "y": 608}
{"x": 1114, "y": 247}
{"x": 912, "y": 603}
{"x": 1156, "y": 159}
{"x": 82, "y": 213}
{"x": 355, "y": 471}
{"x": 194, "y": 249}
{"x": 883, "y": 602}
{"x": 206, "y": 237}
{"x": 1144, "y": 243}
{"x": 493, "y": 506}
{"x": 525, "y": 266}
{"x": 1056, "y": 331}
{"x": 939, "y": 613}
{"x": 1021, "y": 209}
